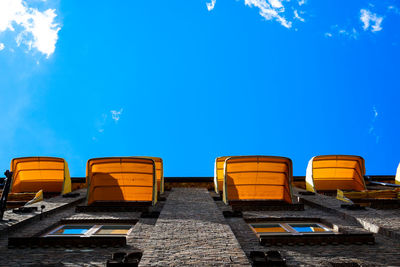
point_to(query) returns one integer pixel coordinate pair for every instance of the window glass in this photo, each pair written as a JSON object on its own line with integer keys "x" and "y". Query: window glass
{"x": 289, "y": 228}
{"x": 114, "y": 230}
{"x": 307, "y": 227}
{"x": 268, "y": 228}
{"x": 72, "y": 230}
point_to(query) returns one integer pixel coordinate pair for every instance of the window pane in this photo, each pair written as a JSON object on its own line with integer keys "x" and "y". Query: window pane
{"x": 307, "y": 227}
{"x": 114, "y": 230}
{"x": 72, "y": 230}
{"x": 268, "y": 228}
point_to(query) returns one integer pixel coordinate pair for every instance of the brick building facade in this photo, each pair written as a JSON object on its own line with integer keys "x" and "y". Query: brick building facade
{"x": 191, "y": 230}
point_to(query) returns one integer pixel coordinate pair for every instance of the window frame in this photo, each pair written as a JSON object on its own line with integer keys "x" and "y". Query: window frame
{"x": 91, "y": 232}
{"x": 290, "y": 230}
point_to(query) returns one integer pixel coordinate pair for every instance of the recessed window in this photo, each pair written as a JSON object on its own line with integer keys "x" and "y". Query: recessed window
{"x": 289, "y": 228}
{"x": 113, "y": 230}
{"x": 89, "y": 230}
{"x": 268, "y": 228}
{"x": 292, "y": 231}
{"x": 308, "y": 227}
{"x": 66, "y": 230}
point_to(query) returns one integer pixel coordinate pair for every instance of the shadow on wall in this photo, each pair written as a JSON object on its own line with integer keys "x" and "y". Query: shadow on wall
{"x": 233, "y": 192}
{"x": 103, "y": 187}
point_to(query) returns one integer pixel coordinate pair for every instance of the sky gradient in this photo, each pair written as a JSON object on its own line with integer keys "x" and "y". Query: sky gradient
{"x": 189, "y": 81}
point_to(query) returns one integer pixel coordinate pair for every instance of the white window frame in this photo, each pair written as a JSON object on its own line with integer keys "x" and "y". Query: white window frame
{"x": 290, "y": 230}
{"x": 90, "y": 232}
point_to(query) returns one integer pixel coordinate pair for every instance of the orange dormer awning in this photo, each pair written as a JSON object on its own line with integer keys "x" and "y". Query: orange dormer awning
{"x": 159, "y": 173}
{"x": 332, "y": 172}
{"x": 32, "y": 174}
{"x": 257, "y": 178}
{"x": 121, "y": 179}
{"x": 219, "y": 173}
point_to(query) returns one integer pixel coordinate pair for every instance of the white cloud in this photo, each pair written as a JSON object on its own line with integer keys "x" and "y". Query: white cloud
{"x": 342, "y": 32}
{"x": 34, "y": 28}
{"x": 375, "y": 112}
{"x": 394, "y": 9}
{"x": 116, "y": 114}
{"x": 103, "y": 122}
{"x": 276, "y": 3}
{"x": 372, "y": 130}
{"x": 211, "y": 5}
{"x": 100, "y": 124}
{"x": 277, "y": 10}
{"x": 1, "y": 46}
{"x": 370, "y": 20}
{"x": 296, "y": 16}
{"x": 271, "y": 10}
{"x": 301, "y": 2}
{"x": 352, "y": 34}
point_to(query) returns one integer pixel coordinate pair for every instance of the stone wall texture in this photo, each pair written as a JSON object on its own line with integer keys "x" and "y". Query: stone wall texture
{"x": 191, "y": 231}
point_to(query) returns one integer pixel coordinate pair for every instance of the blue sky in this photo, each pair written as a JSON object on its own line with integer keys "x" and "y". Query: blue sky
{"x": 192, "y": 80}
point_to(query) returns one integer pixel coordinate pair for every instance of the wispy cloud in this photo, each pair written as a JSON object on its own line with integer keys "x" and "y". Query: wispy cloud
{"x": 366, "y": 21}
{"x": 394, "y": 9}
{"x": 372, "y": 130}
{"x": 103, "y": 122}
{"x": 211, "y": 5}
{"x": 352, "y": 33}
{"x": 116, "y": 115}
{"x": 100, "y": 125}
{"x": 278, "y": 10}
{"x": 276, "y": 3}
{"x": 371, "y": 21}
{"x": 342, "y": 32}
{"x": 301, "y": 2}
{"x": 296, "y": 16}
{"x": 33, "y": 28}
{"x": 271, "y": 10}
{"x": 375, "y": 112}
{"x": 1, "y": 46}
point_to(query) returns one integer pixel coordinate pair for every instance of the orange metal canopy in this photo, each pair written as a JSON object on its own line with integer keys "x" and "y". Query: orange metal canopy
{"x": 332, "y": 172}
{"x": 121, "y": 179}
{"x": 257, "y": 178}
{"x": 159, "y": 173}
{"x": 31, "y": 174}
{"x": 219, "y": 173}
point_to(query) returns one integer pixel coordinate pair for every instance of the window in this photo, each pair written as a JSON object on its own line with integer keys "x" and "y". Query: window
{"x": 113, "y": 230}
{"x": 87, "y": 230}
{"x": 309, "y": 227}
{"x": 290, "y": 228}
{"x": 67, "y": 230}
{"x": 266, "y": 228}
{"x": 302, "y": 231}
